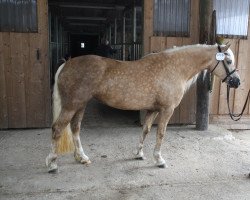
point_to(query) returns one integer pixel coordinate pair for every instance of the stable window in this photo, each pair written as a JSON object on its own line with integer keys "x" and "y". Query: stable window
{"x": 232, "y": 17}
{"x": 18, "y": 15}
{"x": 171, "y": 17}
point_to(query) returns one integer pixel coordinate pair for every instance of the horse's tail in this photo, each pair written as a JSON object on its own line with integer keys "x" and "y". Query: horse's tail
{"x": 65, "y": 143}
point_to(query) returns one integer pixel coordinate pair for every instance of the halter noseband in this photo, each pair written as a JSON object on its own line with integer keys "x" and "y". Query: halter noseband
{"x": 225, "y": 67}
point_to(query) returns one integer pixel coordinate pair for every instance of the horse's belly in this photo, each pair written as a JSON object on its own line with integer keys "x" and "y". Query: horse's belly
{"x": 126, "y": 100}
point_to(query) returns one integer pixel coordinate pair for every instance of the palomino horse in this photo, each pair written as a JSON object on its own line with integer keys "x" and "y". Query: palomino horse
{"x": 156, "y": 83}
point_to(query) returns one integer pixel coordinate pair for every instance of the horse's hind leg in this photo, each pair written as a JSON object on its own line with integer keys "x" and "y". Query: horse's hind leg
{"x": 164, "y": 117}
{"x": 57, "y": 128}
{"x": 149, "y": 119}
{"x": 76, "y": 127}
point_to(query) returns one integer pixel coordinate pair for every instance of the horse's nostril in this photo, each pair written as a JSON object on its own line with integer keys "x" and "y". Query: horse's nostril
{"x": 237, "y": 82}
{"x": 234, "y": 82}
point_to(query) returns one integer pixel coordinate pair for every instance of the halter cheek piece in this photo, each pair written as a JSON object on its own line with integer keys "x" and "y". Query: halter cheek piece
{"x": 225, "y": 67}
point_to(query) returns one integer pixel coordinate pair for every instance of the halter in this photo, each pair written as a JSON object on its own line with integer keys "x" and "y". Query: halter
{"x": 225, "y": 67}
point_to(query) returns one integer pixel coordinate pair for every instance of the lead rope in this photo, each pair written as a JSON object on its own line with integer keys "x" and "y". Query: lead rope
{"x": 236, "y": 117}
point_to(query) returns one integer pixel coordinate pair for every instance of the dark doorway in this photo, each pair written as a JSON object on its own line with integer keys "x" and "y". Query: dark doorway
{"x": 83, "y": 44}
{"x": 78, "y": 27}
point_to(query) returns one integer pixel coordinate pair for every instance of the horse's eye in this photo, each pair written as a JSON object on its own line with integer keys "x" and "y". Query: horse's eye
{"x": 229, "y": 62}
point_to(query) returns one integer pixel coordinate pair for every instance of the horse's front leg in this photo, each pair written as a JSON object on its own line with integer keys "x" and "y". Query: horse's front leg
{"x": 149, "y": 119}
{"x": 164, "y": 116}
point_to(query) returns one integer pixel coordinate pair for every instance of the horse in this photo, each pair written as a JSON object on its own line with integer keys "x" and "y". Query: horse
{"x": 155, "y": 83}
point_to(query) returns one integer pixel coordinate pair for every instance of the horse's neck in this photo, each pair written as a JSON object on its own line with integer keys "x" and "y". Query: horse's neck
{"x": 195, "y": 59}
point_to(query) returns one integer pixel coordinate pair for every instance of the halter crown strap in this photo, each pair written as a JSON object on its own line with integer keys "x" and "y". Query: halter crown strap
{"x": 219, "y": 48}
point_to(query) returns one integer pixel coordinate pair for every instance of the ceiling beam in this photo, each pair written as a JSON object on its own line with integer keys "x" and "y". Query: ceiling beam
{"x": 102, "y": 7}
{"x": 87, "y": 5}
{"x": 83, "y": 24}
{"x": 86, "y": 18}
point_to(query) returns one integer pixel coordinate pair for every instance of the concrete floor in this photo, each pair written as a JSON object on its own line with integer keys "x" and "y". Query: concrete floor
{"x": 213, "y": 164}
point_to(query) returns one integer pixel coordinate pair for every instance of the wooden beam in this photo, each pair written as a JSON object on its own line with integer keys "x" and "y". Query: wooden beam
{"x": 202, "y": 106}
{"x": 89, "y": 6}
{"x": 83, "y": 24}
{"x": 86, "y": 18}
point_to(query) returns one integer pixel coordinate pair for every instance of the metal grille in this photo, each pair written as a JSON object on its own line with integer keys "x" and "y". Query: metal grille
{"x": 18, "y": 15}
{"x": 171, "y": 17}
{"x": 133, "y": 51}
{"x": 232, "y": 17}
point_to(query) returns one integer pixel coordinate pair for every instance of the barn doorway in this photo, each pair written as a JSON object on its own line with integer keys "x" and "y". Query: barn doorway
{"x": 82, "y": 44}
{"x": 79, "y": 27}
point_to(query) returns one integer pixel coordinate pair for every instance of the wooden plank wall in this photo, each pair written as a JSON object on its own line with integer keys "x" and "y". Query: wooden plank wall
{"x": 185, "y": 112}
{"x": 24, "y": 79}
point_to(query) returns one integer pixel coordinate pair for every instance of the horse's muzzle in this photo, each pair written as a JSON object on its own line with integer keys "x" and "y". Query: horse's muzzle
{"x": 234, "y": 82}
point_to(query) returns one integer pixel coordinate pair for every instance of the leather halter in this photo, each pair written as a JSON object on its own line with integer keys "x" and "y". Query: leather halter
{"x": 225, "y": 67}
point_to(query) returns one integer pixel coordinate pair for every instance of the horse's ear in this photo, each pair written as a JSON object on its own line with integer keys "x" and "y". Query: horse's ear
{"x": 219, "y": 40}
{"x": 225, "y": 48}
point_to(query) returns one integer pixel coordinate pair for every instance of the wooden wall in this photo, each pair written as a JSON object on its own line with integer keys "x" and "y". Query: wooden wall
{"x": 24, "y": 78}
{"x": 186, "y": 111}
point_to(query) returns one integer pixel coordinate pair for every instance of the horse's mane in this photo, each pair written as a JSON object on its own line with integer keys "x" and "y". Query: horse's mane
{"x": 176, "y": 48}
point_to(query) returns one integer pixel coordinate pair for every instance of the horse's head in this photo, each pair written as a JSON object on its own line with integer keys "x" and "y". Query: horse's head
{"x": 225, "y": 66}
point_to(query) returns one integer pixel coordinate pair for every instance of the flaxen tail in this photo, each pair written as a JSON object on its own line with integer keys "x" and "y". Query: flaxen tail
{"x": 65, "y": 143}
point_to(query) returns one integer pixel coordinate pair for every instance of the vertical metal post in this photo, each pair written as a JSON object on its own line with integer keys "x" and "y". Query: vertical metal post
{"x": 109, "y": 33}
{"x": 134, "y": 33}
{"x": 115, "y": 31}
{"x": 57, "y": 39}
{"x": 123, "y": 36}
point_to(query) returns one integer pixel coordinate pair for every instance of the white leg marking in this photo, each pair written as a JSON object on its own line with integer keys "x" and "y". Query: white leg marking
{"x": 158, "y": 159}
{"x": 51, "y": 158}
{"x": 140, "y": 153}
{"x": 79, "y": 154}
{"x": 165, "y": 115}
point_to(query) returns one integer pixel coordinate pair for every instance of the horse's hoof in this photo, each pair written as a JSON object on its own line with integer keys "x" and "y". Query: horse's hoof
{"x": 51, "y": 164}
{"x": 53, "y": 168}
{"x": 140, "y": 158}
{"x": 162, "y": 166}
{"x": 85, "y": 162}
{"x": 53, "y": 171}
{"x": 81, "y": 159}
